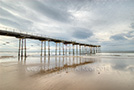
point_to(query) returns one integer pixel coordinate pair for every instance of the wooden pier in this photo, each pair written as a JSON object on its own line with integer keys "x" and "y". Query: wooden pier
{"x": 64, "y": 45}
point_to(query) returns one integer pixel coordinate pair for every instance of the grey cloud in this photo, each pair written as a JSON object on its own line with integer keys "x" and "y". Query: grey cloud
{"x": 113, "y": 43}
{"x": 117, "y": 43}
{"x": 19, "y": 8}
{"x": 122, "y": 36}
{"x": 132, "y": 25}
{"x": 49, "y": 11}
{"x": 82, "y": 33}
{"x": 118, "y": 37}
{"x": 14, "y": 6}
{"x": 15, "y": 21}
{"x": 5, "y": 13}
{"x": 129, "y": 34}
{"x": 9, "y": 23}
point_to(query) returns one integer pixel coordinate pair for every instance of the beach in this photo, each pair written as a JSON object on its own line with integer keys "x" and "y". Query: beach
{"x": 103, "y": 71}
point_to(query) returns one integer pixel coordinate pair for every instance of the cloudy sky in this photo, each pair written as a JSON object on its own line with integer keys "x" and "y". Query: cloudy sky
{"x": 109, "y": 23}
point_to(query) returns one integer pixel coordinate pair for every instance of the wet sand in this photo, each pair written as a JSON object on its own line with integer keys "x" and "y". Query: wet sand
{"x": 68, "y": 73}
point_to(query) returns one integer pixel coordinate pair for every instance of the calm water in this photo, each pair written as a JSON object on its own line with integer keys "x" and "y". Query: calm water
{"x": 103, "y": 71}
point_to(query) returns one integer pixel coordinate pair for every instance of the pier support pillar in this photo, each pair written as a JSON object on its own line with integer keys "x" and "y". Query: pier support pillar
{"x": 48, "y": 48}
{"x": 63, "y": 48}
{"x": 44, "y": 48}
{"x": 25, "y": 49}
{"x": 79, "y": 49}
{"x": 93, "y": 50}
{"x": 41, "y": 48}
{"x": 66, "y": 49}
{"x": 59, "y": 49}
{"x": 99, "y": 49}
{"x": 19, "y": 47}
{"x": 82, "y": 50}
{"x": 86, "y": 50}
{"x": 73, "y": 49}
{"x": 90, "y": 50}
{"x": 22, "y": 48}
{"x": 76, "y": 49}
{"x": 56, "y": 49}
{"x": 69, "y": 49}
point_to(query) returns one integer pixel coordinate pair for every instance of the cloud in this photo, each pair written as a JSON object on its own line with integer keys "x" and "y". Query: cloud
{"x": 82, "y": 33}
{"x": 123, "y": 36}
{"x": 8, "y": 18}
{"x": 88, "y": 21}
{"x": 9, "y": 23}
{"x": 132, "y": 25}
{"x": 118, "y": 37}
{"x": 49, "y": 11}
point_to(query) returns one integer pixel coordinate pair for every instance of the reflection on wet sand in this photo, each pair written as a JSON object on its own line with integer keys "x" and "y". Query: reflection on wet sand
{"x": 51, "y": 64}
{"x": 64, "y": 66}
{"x": 3, "y": 57}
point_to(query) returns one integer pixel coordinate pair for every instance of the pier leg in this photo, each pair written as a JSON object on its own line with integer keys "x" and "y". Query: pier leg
{"x": 86, "y": 50}
{"x": 73, "y": 49}
{"x": 83, "y": 50}
{"x": 44, "y": 48}
{"x": 19, "y": 47}
{"x": 69, "y": 49}
{"x": 56, "y": 49}
{"x": 93, "y": 50}
{"x": 59, "y": 49}
{"x": 90, "y": 50}
{"x": 76, "y": 49}
{"x": 22, "y": 48}
{"x": 66, "y": 49}
{"x": 96, "y": 49}
{"x": 25, "y": 49}
{"x": 41, "y": 48}
{"x": 79, "y": 49}
{"x": 63, "y": 48}
{"x": 48, "y": 48}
